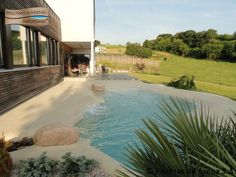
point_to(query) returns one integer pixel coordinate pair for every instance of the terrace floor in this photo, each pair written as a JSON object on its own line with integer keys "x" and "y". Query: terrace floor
{"x": 65, "y": 103}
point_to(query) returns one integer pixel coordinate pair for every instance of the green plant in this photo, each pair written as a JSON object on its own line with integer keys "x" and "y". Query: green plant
{"x": 186, "y": 142}
{"x": 41, "y": 167}
{"x": 184, "y": 82}
{"x": 138, "y": 50}
{"x": 213, "y": 50}
{"x": 6, "y": 164}
{"x": 80, "y": 166}
{"x": 139, "y": 67}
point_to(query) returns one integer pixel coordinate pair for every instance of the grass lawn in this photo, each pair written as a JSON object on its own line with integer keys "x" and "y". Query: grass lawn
{"x": 228, "y": 91}
{"x": 210, "y": 76}
{"x": 115, "y": 49}
{"x": 223, "y": 73}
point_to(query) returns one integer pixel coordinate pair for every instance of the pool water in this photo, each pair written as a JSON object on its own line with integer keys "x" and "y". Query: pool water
{"x": 110, "y": 125}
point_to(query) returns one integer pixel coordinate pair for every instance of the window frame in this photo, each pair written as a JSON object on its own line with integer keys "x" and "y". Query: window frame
{"x": 1, "y": 42}
{"x": 46, "y": 48}
{"x": 57, "y": 52}
{"x": 29, "y": 47}
{"x": 26, "y": 51}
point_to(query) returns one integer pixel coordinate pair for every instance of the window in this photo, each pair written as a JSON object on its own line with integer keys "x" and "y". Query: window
{"x": 1, "y": 55}
{"x": 19, "y": 45}
{"x": 57, "y": 53}
{"x": 44, "y": 50}
{"x": 34, "y": 62}
{"x": 1, "y": 59}
{"x": 31, "y": 48}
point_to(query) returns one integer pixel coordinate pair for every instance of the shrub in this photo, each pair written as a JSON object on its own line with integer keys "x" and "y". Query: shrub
{"x": 196, "y": 53}
{"x": 163, "y": 44}
{"x": 6, "y": 164}
{"x": 149, "y": 44}
{"x": 147, "y": 53}
{"x": 72, "y": 166}
{"x": 139, "y": 67}
{"x": 213, "y": 50}
{"x": 187, "y": 142}
{"x": 184, "y": 82}
{"x": 179, "y": 47}
{"x": 138, "y": 50}
{"x": 41, "y": 167}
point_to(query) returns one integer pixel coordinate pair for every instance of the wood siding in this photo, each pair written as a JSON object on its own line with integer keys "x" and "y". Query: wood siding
{"x": 53, "y": 30}
{"x": 17, "y": 86}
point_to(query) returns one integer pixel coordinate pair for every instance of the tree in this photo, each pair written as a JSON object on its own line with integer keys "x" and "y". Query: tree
{"x": 136, "y": 49}
{"x": 179, "y": 47}
{"x": 228, "y": 50}
{"x": 200, "y": 39}
{"x": 188, "y": 37}
{"x": 163, "y": 44}
{"x": 167, "y": 35}
{"x": 225, "y": 37}
{"x": 97, "y": 42}
{"x": 149, "y": 44}
{"x": 211, "y": 34}
{"x": 196, "y": 53}
{"x": 234, "y": 35}
{"x": 204, "y": 44}
{"x": 213, "y": 50}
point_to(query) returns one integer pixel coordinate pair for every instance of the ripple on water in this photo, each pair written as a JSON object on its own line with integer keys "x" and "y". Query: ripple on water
{"x": 110, "y": 125}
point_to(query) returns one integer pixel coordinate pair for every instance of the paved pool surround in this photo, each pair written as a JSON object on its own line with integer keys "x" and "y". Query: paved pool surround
{"x": 65, "y": 103}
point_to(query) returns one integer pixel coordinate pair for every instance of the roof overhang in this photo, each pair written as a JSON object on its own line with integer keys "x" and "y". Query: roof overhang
{"x": 79, "y": 45}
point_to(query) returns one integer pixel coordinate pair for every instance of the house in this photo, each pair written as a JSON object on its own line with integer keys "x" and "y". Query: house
{"x": 100, "y": 49}
{"x": 37, "y": 38}
{"x": 78, "y": 30}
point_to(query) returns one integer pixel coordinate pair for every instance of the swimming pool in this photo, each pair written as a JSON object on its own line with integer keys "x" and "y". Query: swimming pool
{"x": 110, "y": 125}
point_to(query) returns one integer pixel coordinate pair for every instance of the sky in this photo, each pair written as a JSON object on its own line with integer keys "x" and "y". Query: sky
{"x": 122, "y": 21}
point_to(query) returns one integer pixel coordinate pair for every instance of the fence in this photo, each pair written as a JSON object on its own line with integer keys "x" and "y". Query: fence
{"x": 125, "y": 62}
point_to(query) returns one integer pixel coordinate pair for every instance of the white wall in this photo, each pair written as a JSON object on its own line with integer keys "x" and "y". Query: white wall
{"x": 77, "y": 19}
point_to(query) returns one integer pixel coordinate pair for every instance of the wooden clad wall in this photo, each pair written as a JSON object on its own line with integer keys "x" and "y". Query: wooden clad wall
{"x": 54, "y": 28}
{"x": 17, "y": 86}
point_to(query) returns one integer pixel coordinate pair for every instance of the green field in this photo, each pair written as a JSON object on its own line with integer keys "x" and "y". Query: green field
{"x": 210, "y": 76}
{"x": 228, "y": 91}
{"x": 115, "y": 49}
{"x": 204, "y": 70}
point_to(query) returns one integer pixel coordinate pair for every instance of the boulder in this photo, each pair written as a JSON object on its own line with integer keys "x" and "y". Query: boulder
{"x": 55, "y": 135}
{"x": 97, "y": 87}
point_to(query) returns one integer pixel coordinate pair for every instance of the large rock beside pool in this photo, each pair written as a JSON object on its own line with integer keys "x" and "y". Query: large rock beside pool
{"x": 55, "y": 135}
{"x": 98, "y": 87}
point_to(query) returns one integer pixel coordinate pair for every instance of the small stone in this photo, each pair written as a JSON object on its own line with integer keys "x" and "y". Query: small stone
{"x": 98, "y": 87}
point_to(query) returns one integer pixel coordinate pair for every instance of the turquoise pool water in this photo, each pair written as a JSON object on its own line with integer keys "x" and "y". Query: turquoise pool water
{"x": 110, "y": 125}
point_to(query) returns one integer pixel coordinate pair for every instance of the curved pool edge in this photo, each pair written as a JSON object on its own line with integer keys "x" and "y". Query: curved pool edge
{"x": 218, "y": 104}
{"x": 18, "y": 122}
